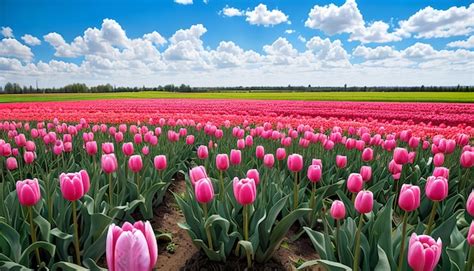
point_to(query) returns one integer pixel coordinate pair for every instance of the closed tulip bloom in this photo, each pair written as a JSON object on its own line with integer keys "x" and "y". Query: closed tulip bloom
{"x": 467, "y": 159}
{"x": 317, "y": 162}
{"x": 470, "y": 204}
{"x": 338, "y": 210}
{"x": 253, "y": 174}
{"x": 107, "y": 147}
{"x": 67, "y": 146}
{"x": 355, "y": 183}
{"x": 240, "y": 144}
{"x": 235, "y": 157}
{"x": 109, "y": 163}
{"x": 314, "y": 173}
{"x": 260, "y": 152}
{"x": 364, "y": 202}
{"x": 268, "y": 160}
{"x": 29, "y": 157}
{"x": 281, "y": 154}
{"x": 394, "y": 168}
{"x": 438, "y": 159}
{"x": 118, "y": 137}
{"x": 295, "y": 162}
{"x": 12, "y": 164}
{"x": 409, "y": 199}
{"x": 366, "y": 173}
{"x": 470, "y": 235}
{"x": 190, "y": 139}
{"x": 145, "y": 150}
{"x": 367, "y": 155}
{"x": 131, "y": 247}
{"x": 423, "y": 252}
{"x": 249, "y": 140}
{"x": 58, "y": 147}
{"x": 222, "y": 162}
{"x": 202, "y": 152}
{"x": 30, "y": 146}
{"x": 245, "y": 191}
{"x": 436, "y": 188}
{"x": 74, "y": 185}
{"x": 160, "y": 162}
{"x": 341, "y": 161}
{"x": 28, "y": 192}
{"x": 91, "y": 147}
{"x": 127, "y": 148}
{"x": 196, "y": 174}
{"x": 400, "y": 156}
{"x": 204, "y": 190}
{"x": 135, "y": 163}
{"x": 137, "y": 138}
{"x": 441, "y": 171}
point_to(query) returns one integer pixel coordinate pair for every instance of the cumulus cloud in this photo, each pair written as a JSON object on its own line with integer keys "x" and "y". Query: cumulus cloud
{"x": 10, "y": 47}
{"x": 184, "y": 2}
{"x": 31, "y": 40}
{"x": 290, "y": 31}
{"x": 155, "y": 37}
{"x": 261, "y": 15}
{"x": 231, "y": 12}
{"x": 469, "y": 43}
{"x": 7, "y": 32}
{"x": 433, "y": 23}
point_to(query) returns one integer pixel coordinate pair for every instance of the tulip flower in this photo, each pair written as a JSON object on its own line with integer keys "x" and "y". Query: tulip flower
{"x": 355, "y": 183}
{"x": 91, "y": 148}
{"x": 367, "y": 155}
{"x": 160, "y": 162}
{"x": 145, "y": 150}
{"x": 131, "y": 247}
{"x": 29, "y": 194}
{"x": 295, "y": 164}
{"x": 280, "y": 154}
{"x": 127, "y": 148}
{"x": 245, "y": 193}
{"x": 135, "y": 164}
{"x": 438, "y": 159}
{"x": 341, "y": 161}
{"x": 109, "y": 164}
{"x": 470, "y": 204}
{"x": 253, "y": 174}
{"x": 29, "y": 157}
{"x": 235, "y": 157}
{"x": 467, "y": 159}
{"x": 436, "y": 189}
{"x": 441, "y": 171}
{"x": 196, "y": 174}
{"x": 423, "y": 252}
{"x": 268, "y": 160}
{"x": 222, "y": 163}
{"x": 363, "y": 204}
{"x": 12, "y": 164}
{"x": 204, "y": 192}
{"x": 260, "y": 152}
{"x": 107, "y": 147}
{"x": 366, "y": 173}
{"x": 338, "y": 212}
{"x": 202, "y": 152}
{"x": 470, "y": 241}
{"x": 190, "y": 140}
{"x": 409, "y": 200}
{"x": 73, "y": 187}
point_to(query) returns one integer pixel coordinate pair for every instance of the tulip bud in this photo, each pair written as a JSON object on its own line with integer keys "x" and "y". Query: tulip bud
{"x": 245, "y": 191}
{"x": 295, "y": 162}
{"x": 127, "y": 148}
{"x": 260, "y": 152}
{"x": 196, "y": 174}
{"x": 341, "y": 161}
{"x": 202, "y": 152}
{"x": 107, "y": 147}
{"x": 366, "y": 173}
{"x": 355, "y": 182}
{"x": 436, "y": 188}
{"x": 364, "y": 202}
{"x": 400, "y": 156}
{"x": 190, "y": 140}
{"x": 441, "y": 172}
{"x": 338, "y": 210}
{"x": 222, "y": 162}
{"x": 235, "y": 157}
{"x": 91, "y": 147}
{"x": 423, "y": 252}
{"x": 29, "y": 157}
{"x": 28, "y": 192}
{"x": 253, "y": 174}
{"x": 470, "y": 204}
{"x": 160, "y": 162}
{"x": 438, "y": 159}
{"x": 314, "y": 173}
{"x": 367, "y": 155}
{"x": 409, "y": 199}
{"x": 280, "y": 154}
{"x": 109, "y": 163}
{"x": 204, "y": 190}
{"x": 135, "y": 163}
{"x": 470, "y": 235}
{"x": 12, "y": 164}
{"x": 467, "y": 159}
{"x": 268, "y": 160}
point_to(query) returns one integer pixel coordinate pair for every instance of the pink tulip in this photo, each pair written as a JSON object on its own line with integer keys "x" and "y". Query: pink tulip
{"x": 28, "y": 192}
{"x": 29, "y": 157}
{"x": 260, "y": 152}
{"x": 268, "y": 160}
{"x": 240, "y": 144}
{"x": 414, "y": 142}
{"x": 58, "y": 147}
{"x": 109, "y": 163}
{"x": 441, "y": 172}
{"x": 202, "y": 152}
{"x": 131, "y": 247}
{"x": 341, "y": 161}
{"x": 355, "y": 183}
{"x": 314, "y": 173}
{"x": 107, "y": 147}
{"x": 204, "y": 190}
{"x": 190, "y": 140}
{"x": 145, "y": 150}
{"x": 118, "y": 137}
{"x": 436, "y": 188}
{"x": 470, "y": 235}
{"x": 281, "y": 154}
{"x": 91, "y": 148}
{"x": 245, "y": 191}
{"x": 235, "y": 157}
{"x": 74, "y": 185}
{"x": 400, "y": 156}
{"x": 222, "y": 162}
{"x": 467, "y": 159}
{"x": 394, "y": 168}
{"x": 137, "y": 138}
{"x": 317, "y": 162}
{"x": 338, "y": 210}
{"x": 366, "y": 173}
{"x": 295, "y": 162}
{"x": 249, "y": 140}
{"x": 30, "y": 146}
{"x": 438, "y": 159}
{"x": 12, "y": 164}
{"x": 127, "y": 148}
{"x": 67, "y": 146}
{"x": 160, "y": 162}
{"x": 470, "y": 204}
{"x": 253, "y": 174}
{"x": 135, "y": 163}
{"x": 364, "y": 202}
{"x": 423, "y": 252}
{"x": 196, "y": 174}
{"x": 367, "y": 155}
{"x": 409, "y": 199}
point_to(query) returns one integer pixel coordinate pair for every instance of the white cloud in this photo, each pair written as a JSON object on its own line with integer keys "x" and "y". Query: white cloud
{"x": 301, "y": 38}
{"x": 260, "y": 15}
{"x": 31, "y": 40}
{"x": 155, "y": 37}
{"x": 7, "y": 32}
{"x": 326, "y": 50}
{"x": 469, "y": 43}
{"x": 433, "y": 23}
{"x": 290, "y": 31}
{"x": 375, "y": 32}
{"x": 379, "y": 52}
{"x": 10, "y": 47}
{"x": 184, "y": 2}
{"x": 231, "y": 12}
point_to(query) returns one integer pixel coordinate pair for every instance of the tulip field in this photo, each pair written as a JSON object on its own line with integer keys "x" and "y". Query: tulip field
{"x": 86, "y": 185}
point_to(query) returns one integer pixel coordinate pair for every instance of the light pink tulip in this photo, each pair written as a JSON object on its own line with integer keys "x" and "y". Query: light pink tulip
{"x": 28, "y": 192}
{"x": 423, "y": 252}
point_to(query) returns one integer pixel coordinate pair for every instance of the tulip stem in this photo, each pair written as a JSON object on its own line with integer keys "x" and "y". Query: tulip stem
{"x": 111, "y": 189}
{"x": 221, "y": 190}
{"x": 208, "y": 231}
{"x": 401, "y": 256}
{"x": 432, "y": 216}
{"x": 470, "y": 260}
{"x": 357, "y": 244}
{"x": 137, "y": 180}
{"x": 312, "y": 202}
{"x": 295, "y": 192}
{"x": 338, "y": 225}
{"x": 246, "y": 232}
{"x": 76, "y": 233}
{"x": 33, "y": 235}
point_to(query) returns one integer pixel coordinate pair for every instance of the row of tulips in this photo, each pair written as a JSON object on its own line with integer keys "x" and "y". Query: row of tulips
{"x": 261, "y": 190}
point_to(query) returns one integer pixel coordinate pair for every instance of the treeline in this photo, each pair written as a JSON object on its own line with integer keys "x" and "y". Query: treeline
{"x": 14, "y": 88}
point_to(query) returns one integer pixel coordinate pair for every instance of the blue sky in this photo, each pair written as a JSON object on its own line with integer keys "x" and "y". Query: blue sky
{"x": 265, "y": 42}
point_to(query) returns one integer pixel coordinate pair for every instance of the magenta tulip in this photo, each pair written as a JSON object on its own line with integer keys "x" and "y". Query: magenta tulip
{"x": 436, "y": 188}
{"x": 245, "y": 191}
{"x": 127, "y": 148}
{"x": 109, "y": 163}
{"x": 74, "y": 185}
{"x": 12, "y": 164}
{"x": 400, "y": 156}
{"x": 423, "y": 252}
{"x": 338, "y": 210}
{"x": 366, "y": 173}
{"x": 409, "y": 199}
{"x": 196, "y": 174}
{"x": 364, "y": 202}
{"x": 341, "y": 161}
{"x": 29, "y": 157}
{"x": 235, "y": 157}
{"x": 268, "y": 160}
{"x": 28, "y": 192}
{"x": 160, "y": 162}
{"x": 438, "y": 159}
{"x": 281, "y": 154}
{"x": 91, "y": 148}
{"x": 135, "y": 163}
{"x": 355, "y": 183}
{"x": 204, "y": 190}
{"x": 467, "y": 159}
{"x": 260, "y": 152}
{"x": 441, "y": 172}
{"x": 222, "y": 162}
{"x": 202, "y": 152}
{"x": 470, "y": 204}
{"x": 314, "y": 173}
{"x": 295, "y": 162}
{"x": 253, "y": 174}
{"x": 470, "y": 235}
{"x": 367, "y": 155}
{"x": 107, "y": 147}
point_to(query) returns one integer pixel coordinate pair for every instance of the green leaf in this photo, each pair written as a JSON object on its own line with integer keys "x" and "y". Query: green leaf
{"x": 383, "y": 263}
{"x": 65, "y": 266}
{"x": 45, "y": 246}
{"x": 11, "y": 243}
{"x": 328, "y": 265}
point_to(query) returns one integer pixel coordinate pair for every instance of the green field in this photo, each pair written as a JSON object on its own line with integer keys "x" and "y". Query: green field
{"x": 466, "y": 97}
